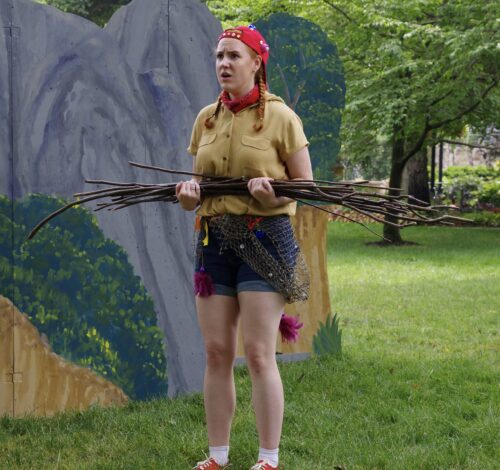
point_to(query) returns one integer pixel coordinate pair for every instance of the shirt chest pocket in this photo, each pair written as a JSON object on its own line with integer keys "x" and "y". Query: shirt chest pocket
{"x": 258, "y": 143}
{"x": 256, "y": 156}
{"x": 206, "y": 139}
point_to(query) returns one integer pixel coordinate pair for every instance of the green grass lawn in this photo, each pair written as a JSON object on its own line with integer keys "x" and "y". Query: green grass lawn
{"x": 417, "y": 387}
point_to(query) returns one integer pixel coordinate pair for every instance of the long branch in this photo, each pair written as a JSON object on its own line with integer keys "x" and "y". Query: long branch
{"x": 474, "y": 146}
{"x": 429, "y": 127}
{"x": 342, "y": 12}
{"x": 371, "y": 204}
{"x": 465, "y": 111}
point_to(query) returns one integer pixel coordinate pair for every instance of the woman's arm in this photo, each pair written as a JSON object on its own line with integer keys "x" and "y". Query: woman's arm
{"x": 298, "y": 167}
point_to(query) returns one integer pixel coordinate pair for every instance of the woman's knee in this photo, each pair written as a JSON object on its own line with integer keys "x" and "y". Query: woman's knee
{"x": 259, "y": 358}
{"x": 219, "y": 356}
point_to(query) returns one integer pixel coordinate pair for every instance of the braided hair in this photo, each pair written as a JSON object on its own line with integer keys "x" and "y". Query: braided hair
{"x": 259, "y": 78}
{"x": 208, "y": 123}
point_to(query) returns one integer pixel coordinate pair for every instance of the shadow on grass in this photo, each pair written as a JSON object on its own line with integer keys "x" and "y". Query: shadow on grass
{"x": 387, "y": 244}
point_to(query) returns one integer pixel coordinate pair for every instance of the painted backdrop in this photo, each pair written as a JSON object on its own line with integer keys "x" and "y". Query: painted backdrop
{"x": 76, "y": 102}
{"x": 112, "y": 291}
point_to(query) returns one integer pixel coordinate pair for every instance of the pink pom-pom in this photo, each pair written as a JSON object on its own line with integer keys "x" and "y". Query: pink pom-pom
{"x": 203, "y": 285}
{"x": 289, "y": 328}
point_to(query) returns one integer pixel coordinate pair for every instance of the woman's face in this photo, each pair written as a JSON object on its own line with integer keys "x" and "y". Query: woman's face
{"x": 235, "y": 66}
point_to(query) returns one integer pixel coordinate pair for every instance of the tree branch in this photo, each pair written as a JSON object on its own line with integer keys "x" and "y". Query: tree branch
{"x": 288, "y": 98}
{"x": 474, "y": 146}
{"x": 428, "y": 126}
{"x": 465, "y": 111}
{"x": 441, "y": 98}
{"x": 342, "y": 12}
{"x": 298, "y": 93}
{"x": 419, "y": 142}
{"x": 302, "y": 84}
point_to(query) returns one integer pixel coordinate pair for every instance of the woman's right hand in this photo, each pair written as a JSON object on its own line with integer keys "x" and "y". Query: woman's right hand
{"x": 188, "y": 194}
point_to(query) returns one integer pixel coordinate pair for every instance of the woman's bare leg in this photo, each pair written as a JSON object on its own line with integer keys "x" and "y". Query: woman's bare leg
{"x": 218, "y": 319}
{"x": 260, "y": 316}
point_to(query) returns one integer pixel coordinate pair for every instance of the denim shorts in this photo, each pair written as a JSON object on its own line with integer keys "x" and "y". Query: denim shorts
{"x": 229, "y": 273}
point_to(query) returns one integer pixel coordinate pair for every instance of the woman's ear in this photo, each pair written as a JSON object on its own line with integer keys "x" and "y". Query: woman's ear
{"x": 258, "y": 62}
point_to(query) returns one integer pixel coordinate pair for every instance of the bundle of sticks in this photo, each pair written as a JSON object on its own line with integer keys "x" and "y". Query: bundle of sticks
{"x": 388, "y": 206}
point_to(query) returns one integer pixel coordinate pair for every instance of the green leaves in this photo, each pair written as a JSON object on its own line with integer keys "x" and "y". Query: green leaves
{"x": 328, "y": 338}
{"x": 467, "y": 186}
{"x": 407, "y": 64}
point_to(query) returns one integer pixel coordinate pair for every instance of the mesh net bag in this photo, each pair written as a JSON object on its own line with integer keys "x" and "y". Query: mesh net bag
{"x": 268, "y": 245}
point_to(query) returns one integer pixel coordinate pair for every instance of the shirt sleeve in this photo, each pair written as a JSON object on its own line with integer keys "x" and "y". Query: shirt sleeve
{"x": 195, "y": 136}
{"x": 293, "y": 138}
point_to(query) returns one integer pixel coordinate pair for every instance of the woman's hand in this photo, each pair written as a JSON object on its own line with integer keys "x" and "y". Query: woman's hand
{"x": 261, "y": 189}
{"x": 188, "y": 194}
{"x": 298, "y": 167}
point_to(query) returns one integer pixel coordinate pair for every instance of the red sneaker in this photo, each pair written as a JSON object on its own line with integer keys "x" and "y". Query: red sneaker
{"x": 263, "y": 465}
{"x": 209, "y": 464}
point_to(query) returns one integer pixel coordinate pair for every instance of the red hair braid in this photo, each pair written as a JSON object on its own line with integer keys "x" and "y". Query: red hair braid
{"x": 208, "y": 123}
{"x": 262, "y": 104}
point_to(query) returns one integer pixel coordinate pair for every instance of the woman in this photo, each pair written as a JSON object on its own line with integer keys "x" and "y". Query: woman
{"x": 248, "y": 264}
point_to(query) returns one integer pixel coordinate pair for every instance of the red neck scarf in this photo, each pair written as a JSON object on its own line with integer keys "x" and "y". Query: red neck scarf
{"x": 238, "y": 104}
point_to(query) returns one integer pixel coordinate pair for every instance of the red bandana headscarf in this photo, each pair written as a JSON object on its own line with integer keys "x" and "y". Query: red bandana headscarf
{"x": 255, "y": 41}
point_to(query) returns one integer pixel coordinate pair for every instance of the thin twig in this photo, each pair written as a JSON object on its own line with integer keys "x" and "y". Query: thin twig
{"x": 405, "y": 210}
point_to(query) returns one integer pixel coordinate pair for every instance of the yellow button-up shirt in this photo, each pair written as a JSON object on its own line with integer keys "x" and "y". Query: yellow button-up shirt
{"x": 233, "y": 148}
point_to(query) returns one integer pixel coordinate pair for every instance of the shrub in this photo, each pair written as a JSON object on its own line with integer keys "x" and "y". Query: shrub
{"x": 490, "y": 194}
{"x": 486, "y": 218}
{"x": 472, "y": 187}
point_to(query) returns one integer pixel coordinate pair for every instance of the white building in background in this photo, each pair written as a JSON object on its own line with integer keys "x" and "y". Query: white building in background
{"x": 462, "y": 155}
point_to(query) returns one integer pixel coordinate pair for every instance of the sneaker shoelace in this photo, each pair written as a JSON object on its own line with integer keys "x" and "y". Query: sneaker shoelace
{"x": 203, "y": 464}
{"x": 260, "y": 465}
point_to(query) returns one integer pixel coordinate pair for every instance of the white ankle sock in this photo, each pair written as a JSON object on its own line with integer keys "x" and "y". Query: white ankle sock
{"x": 220, "y": 454}
{"x": 271, "y": 455}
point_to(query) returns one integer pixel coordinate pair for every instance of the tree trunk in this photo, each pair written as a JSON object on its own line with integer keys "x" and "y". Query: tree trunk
{"x": 390, "y": 232}
{"x": 418, "y": 177}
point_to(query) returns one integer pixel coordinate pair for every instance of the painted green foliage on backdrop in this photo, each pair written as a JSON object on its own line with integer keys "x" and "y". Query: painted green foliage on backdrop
{"x": 305, "y": 70}
{"x": 78, "y": 288}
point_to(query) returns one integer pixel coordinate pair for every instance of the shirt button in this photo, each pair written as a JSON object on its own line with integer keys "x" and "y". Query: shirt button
{"x": 220, "y": 199}
{"x": 224, "y": 158}
{"x": 228, "y": 135}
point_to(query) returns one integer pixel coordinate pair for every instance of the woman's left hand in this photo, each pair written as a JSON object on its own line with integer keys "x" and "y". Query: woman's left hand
{"x": 261, "y": 189}
{"x": 298, "y": 167}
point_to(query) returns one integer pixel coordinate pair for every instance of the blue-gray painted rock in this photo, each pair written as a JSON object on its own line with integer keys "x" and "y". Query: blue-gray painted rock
{"x": 78, "y": 101}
